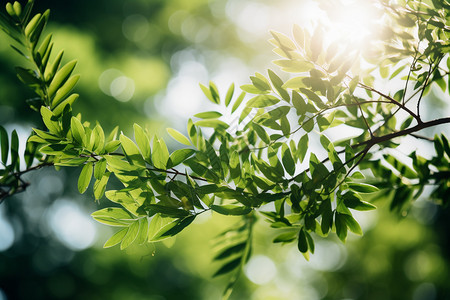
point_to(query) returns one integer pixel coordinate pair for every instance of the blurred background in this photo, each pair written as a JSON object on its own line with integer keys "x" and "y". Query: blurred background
{"x": 141, "y": 61}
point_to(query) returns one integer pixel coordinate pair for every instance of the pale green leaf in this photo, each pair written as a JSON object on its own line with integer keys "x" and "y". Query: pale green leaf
{"x": 116, "y": 238}
{"x": 85, "y": 177}
{"x": 178, "y": 136}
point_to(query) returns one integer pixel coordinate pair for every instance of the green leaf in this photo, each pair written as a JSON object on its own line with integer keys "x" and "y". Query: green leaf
{"x": 51, "y": 70}
{"x": 54, "y": 149}
{"x": 131, "y": 199}
{"x": 261, "y": 133}
{"x": 98, "y": 139}
{"x": 100, "y": 185}
{"x": 231, "y": 250}
{"x": 64, "y": 90}
{"x": 228, "y": 267}
{"x": 299, "y": 103}
{"x": 286, "y": 237}
{"x": 288, "y": 161}
{"x": 208, "y": 94}
{"x": 49, "y": 120}
{"x": 131, "y": 151}
{"x": 262, "y": 101}
{"x": 116, "y": 238}
{"x": 229, "y": 95}
{"x": 77, "y": 129}
{"x": 15, "y": 162}
{"x": 61, "y": 77}
{"x": 302, "y": 147}
{"x": 341, "y": 226}
{"x": 173, "y": 228}
{"x": 260, "y": 84}
{"x": 294, "y": 83}
{"x": 212, "y": 123}
{"x": 310, "y": 241}
{"x": 113, "y": 216}
{"x": 37, "y": 30}
{"x": 85, "y": 177}
{"x": 214, "y": 92}
{"x": 27, "y": 76}
{"x": 313, "y": 97}
{"x": 178, "y": 136}
{"x": 32, "y": 25}
{"x": 4, "y": 144}
{"x": 327, "y": 216}
{"x": 179, "y": 156}
{"x": 278, "y": 84}
{"x": 213, "y": 158}
{"x": 352, "y": 224}
{"x": 285, "y": 126}
{"x": 233, "y": 210}
{"x": 58, "y": 110}
{"x": 308, "y": 125}
{"x": 302, "y": 241}
{"x": 238, "y": 102}
{"x": 131, "y": 235}
{"x": 112, "y": 146}
{"x": 362, "y": 187}
{"x": 143, "y": 231}
{"x": 160, "y": 155}
{"x": 324, "y": 141}
{"x": 208, "y": 115}
{"x": 294, "y": 66}
{"x": 167, "y": 210}
{"x": 284, "y": 41}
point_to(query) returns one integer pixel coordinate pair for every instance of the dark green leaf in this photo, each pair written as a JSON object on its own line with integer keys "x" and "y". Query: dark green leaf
{"x": 302, "y": 241}
{"x": 278, "y": 84}
{"x": 228, "y": 267}
{"x": 231, "y": 250}
{"x": 166, "y": 210}
{"x": 286, "y": 237}
{"x": 302, "y": 148}
{"x": 362, "y": 187}
{"x": 4, "y": 144}
{"x": 287, "y": 159}
{"x": 233, "y": 210}
{"x": 15, "y": 162}
{"x": 173, "y": 228}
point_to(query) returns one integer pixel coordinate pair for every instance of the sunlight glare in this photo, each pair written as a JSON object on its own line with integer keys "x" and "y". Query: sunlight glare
{"x": 350, "y": 22}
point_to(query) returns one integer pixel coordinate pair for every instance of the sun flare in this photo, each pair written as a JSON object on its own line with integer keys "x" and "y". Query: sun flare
{"x": 351, "y": 22}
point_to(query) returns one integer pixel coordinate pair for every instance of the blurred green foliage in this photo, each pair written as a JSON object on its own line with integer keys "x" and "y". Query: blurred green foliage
{"x": 395, "y": 259}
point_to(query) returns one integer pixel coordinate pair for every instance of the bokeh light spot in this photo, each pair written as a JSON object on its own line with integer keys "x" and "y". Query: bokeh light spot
{"x": 135, "y": 28}
{"x": 122, "y": 88}
{"x": 114, "y": 83}
{"x": 71, "y": 225}
{"x": 260, "y": 269}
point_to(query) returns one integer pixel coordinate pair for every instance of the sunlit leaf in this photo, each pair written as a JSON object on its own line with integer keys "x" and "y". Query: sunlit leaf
{"x": 131, "y": 151}
{"x": 131, "y": 235}
{"x": 116, "y": 238}
{"x": 85, "y": 177}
